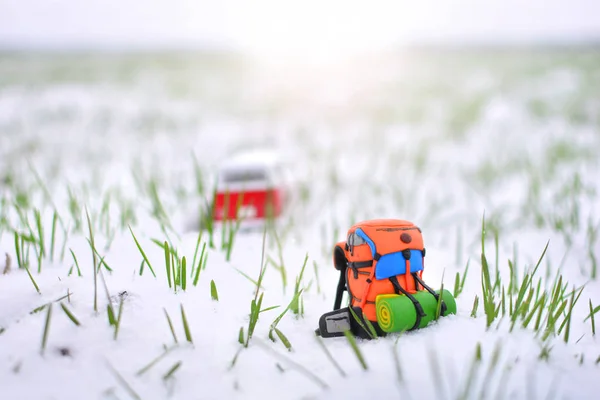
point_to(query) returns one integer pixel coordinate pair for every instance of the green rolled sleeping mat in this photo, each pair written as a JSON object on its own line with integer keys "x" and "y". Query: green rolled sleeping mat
{"x": 396, "y": 312}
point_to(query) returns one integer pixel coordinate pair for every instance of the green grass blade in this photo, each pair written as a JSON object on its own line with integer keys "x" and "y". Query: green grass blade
{"x": 592, "y": 318}
{"x": 198, "y": 269}
{"x": 316, "y": 269}
{"x": 112, "y": 321}
{"x": 142, "y": 252}
{"x": 35, "y": 285}
{"x": 186, "y": 327}
{"x": 70, "y": 314}
{"x": 167, "y": 251}
{"x": 241, "y": 335}
{"x": 541, "y": 258}
{"x": 18, "y": 250}
{"x": 456, "y": 285}
{"x": 171, "y": 325}
{"x": 118, "y": 323}
{"x": 269, "y": 308}
{"x": 40, "y": 229}
{"x": 124, "y": 383}
{"x": 46, "y": 328}
{"x": 464, "y": 276}
{"x": 399, "y": 374}
{"x": 101, "y": 261}
{"x": 592, "y": 313}
{"x": 198, "y": 240}
{"x": 329, "y": 356}
{"x": 356, "y": 350}
{"x": 247, "y": 277}
{"x": 262, "y": 265}
{"x": 572, "y": 303}
{"x": 359, "y": 321}
{"x": 94, "y": 264}
{"x": 538, "y": 305}
{"x": 183, "y": 274}
{"x": 203, "y": 260}
{"x": 436, "y": 372}
{"x": 304, "y": 371}
{"x": 280, "y": 316}
{"x": 76, "y": 262}
{"x": 174, "y": 272}
{"x": 172, "y": 370}
{"x": 371, "y": 328}
{"x": 255, "y": 307}
{"x": 213, "y": 291}
{"x": 283, "y": 339}
{"x": 53, "y": 235}
{"x": 475, "y": 307}
{"x": 155, "y": 361}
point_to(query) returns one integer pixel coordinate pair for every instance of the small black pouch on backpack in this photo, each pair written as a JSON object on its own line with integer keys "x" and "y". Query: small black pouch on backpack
{"x": 335, "y": 323}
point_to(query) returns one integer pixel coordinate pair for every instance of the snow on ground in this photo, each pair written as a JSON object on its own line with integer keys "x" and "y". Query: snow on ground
{"x": 436, "y": 138}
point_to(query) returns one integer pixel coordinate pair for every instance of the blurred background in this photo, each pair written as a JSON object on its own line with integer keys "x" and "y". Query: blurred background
{"x": 431, "y": 111}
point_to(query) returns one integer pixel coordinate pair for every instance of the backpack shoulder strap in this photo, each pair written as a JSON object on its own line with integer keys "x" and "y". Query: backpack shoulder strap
{"x": 418, "y": 308}
{"x": 430, "y": 290}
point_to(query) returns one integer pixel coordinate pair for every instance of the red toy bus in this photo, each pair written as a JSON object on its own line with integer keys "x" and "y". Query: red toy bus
{"x": 252, "y": 186}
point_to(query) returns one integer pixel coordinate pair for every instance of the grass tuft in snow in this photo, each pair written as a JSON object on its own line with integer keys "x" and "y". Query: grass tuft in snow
{"x": 231, "y": 227}
{"x": 175, "y": 266}
{"x": 256, "y": 303}
{"x": 296, "y": 305}
{"x": 280, "y": 316}
{"x": 459, "y": 282}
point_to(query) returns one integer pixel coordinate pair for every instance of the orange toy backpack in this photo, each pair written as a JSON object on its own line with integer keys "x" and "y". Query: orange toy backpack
{"x": 384, "y": 256}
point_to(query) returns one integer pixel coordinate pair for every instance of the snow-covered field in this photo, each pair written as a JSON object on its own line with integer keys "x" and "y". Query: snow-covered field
{"x": 444, "y": 139}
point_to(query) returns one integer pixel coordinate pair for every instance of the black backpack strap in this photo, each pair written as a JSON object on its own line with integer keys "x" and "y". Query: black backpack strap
{"x": 418, "y": 308}
{"x": 417, "y": 278}
{"x": 340, "y": 289}
{"x": 355, "y": 266}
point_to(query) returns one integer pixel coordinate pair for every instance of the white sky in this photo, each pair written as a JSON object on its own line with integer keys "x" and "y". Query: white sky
{"x": 291, "y": 26}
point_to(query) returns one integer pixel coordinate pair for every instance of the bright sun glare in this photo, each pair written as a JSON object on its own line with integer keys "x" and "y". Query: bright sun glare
{"x": 312, "y": 31}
